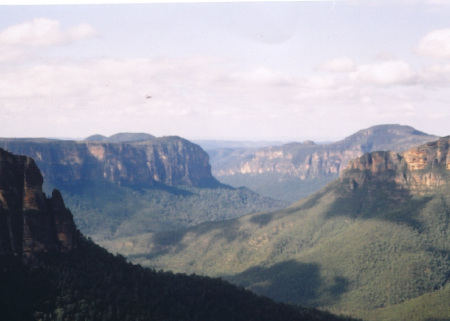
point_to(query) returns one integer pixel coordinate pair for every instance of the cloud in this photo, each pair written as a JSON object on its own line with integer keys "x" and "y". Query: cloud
{"x": 385, "y": 73}
{"x": 196, "y": 97}
{"x": 435, "y": 44}
{"x": 43, "y": 32}
{"x": 338, "y": 65}
{"x": 20, "y": 40}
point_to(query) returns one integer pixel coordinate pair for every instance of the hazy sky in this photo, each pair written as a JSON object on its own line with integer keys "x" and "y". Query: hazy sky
{"x": 256, "y": 71}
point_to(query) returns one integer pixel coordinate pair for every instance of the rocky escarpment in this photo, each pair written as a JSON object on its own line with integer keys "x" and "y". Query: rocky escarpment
{"x": 417, "y": 169}
{"x": 301, "y": 160}
{"x": 308, "y": 160}
{"x": 171, "y": 161}
{"x": 30, "y": 222}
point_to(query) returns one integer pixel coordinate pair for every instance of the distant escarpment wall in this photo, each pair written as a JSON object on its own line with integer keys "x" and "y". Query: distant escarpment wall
{"x": 170, "y": 161}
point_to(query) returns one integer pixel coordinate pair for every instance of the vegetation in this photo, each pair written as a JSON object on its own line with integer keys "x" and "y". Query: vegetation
{"x": 105, "y": 210}
{"x": 91, "y": 284}
{"x": 348, "y": 251}
{"x": 430, "y": 306}
{"x": 278, "y": 186}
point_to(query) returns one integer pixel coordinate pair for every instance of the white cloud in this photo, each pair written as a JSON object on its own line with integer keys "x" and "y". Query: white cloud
{"x": 18, "y": 41}
{"x": 43, "y": 32}
{"x": 338, "y": 65}
{"x": 435, "y": 44}
{"x": 385, "y": 73}
{"x": 193, "y": 97}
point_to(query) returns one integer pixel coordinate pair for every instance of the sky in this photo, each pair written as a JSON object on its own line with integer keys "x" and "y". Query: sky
{"x": 283, "y": 70}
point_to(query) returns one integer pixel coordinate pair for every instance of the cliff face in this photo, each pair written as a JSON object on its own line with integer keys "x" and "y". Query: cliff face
{"x": 294, "y": 160}
{"x": 29, "y": 221}
{"x": 308, "y": 160}
{"x": 418, "y": 169}
{"x": 170, "y": 161}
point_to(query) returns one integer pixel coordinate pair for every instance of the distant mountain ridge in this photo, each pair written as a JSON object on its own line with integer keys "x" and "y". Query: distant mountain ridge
{"x": 289, "y": 165}
{"x": 310, "y": 160}
{"x": 120, "y": 138}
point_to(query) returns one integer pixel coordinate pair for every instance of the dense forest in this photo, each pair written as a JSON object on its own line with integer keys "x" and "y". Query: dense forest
{"x": 104, "y": 210}
{"x": 91, "y": 284}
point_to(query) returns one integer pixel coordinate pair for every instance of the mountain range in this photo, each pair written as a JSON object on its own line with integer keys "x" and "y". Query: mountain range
{"x": 295, "y": 170}
{"x": 374, "y": 243}
{"x": 50, "y": 271}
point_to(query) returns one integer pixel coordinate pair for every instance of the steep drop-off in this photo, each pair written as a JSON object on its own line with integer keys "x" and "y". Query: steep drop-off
{"x": 418, "y": 169}
{"x": 294, "y": 170}
{"x": 136, "y": 184}
{"x": 310, "y": 160}
{"x": 31, "y": 223}
{"x": 169, "y": 161}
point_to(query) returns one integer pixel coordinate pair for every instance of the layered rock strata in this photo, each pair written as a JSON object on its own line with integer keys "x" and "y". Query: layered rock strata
{"x": 420, "y": 168}
{"x": 308, "y": 160}
{"x": 171, "y": 161}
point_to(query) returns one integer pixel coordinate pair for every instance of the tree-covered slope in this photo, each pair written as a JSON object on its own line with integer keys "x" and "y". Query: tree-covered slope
{"x": 377, "y": 237}
{"x": 49, "y": 271}
{"x": 105, "y": 211}
{"x": 88, "y": 283}
{"x": 429, "y": 306}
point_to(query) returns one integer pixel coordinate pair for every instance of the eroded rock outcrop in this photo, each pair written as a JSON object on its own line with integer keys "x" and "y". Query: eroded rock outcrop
{"x": 30, "y": 222}
{"x": 417, "y": 169}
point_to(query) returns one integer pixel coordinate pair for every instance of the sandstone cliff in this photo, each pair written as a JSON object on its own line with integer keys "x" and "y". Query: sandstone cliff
{"x": 30, "y": 222}
{"x": 417, "y": 169}
{"x": 308, "y": 160}
{"x": 170, "y": 161}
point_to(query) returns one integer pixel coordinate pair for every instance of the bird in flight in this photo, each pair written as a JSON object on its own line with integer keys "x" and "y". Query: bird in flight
{"x": 148, "y": 96}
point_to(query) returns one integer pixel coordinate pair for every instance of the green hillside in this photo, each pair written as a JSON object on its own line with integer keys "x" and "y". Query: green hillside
{"x": 430, "y": 306}
{"x": 278, "y": 186}
{"x": 104, "y": 210}
{"x": 88, "y": 283}
{"x": 349, "y": 248}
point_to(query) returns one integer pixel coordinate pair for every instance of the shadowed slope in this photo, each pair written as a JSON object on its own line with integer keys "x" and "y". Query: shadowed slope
{"x": 49, "y": 271}
{"x": 376, "y": 237}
